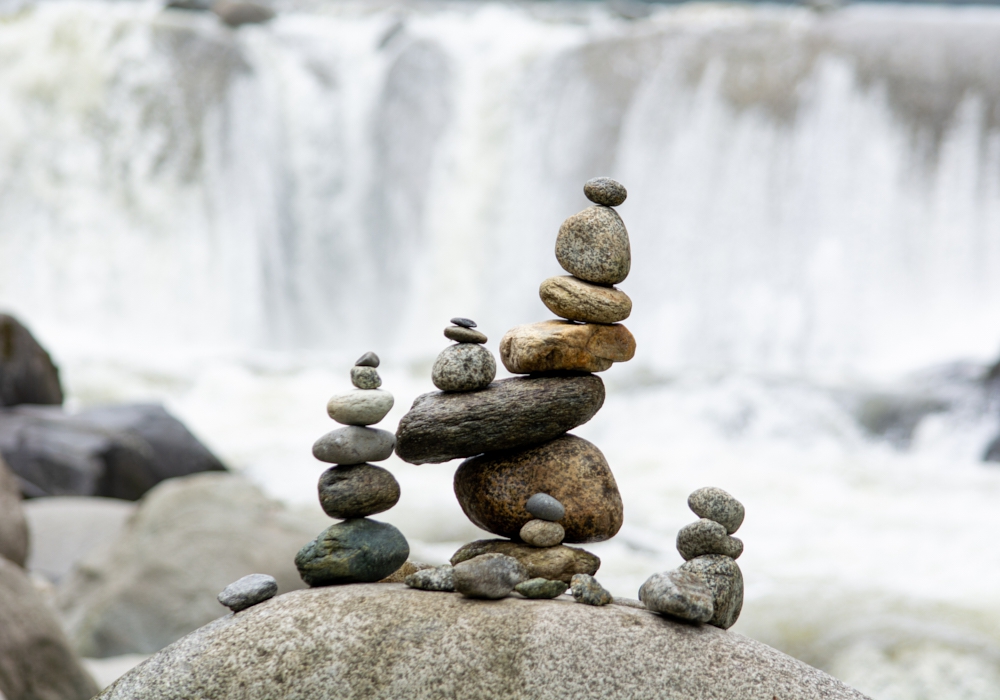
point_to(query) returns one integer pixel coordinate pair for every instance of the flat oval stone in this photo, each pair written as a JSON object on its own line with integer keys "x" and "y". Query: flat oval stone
{"x": 507, "y": 414}
{"x": 604, "y": 190}
{"x": 555, "y": 563}
{"x": 576, "y": 300}
{"x": 357, "y": 490}
{"x": 707, "y": 537}
{"x": 464, "y": 367}
{"x": 542, "y": 533}
{"x": 490, "y": 576}
{"x": 438, "y": 578}
{"x": 715, "y": 504}
{"x": 369, "y": 359}
{"x": 565, "y": 346}
{"x": 723, "y": 577}
{"x": 354, "y": 445}
{"x": 360, "y": 407}
{"x": 678, "y": 593}
{"x": 593, "y": 245}
{"x": 248, "y": 591}
{"x": 365, "y": 378}
{"x": 544, "y": 507}
{"x": 493, "y": 488}
{"x": 354, "y": 551}
{"x": 463, "y": 322}
{"x": 464, "y": 335}
{"x": 588, "y": 591}
{"x": 541, "y": 588}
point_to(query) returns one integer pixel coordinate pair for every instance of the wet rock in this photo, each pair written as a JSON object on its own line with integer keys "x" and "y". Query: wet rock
{"x": 565, "y": 346}
{"x": 463, "y": 322}
{"x": 360, "y": 407}
{"x": 678, "y": 593}
{"x": 369, "y": 359}
{"x": 715, "y": 504}
{"x": 13, "y": 526}
{"x": 354, "y": 445}
{"x": 588, "y": 591}
{"x": 707, "y": 537}
{"x": 493, "y": 488}
{"x": 555, "y": 563}
{"x": 248, "y": 591}
{"x": 438, "y": 578}
{"x": 604, "y": 190}
{"x": 357, "y": 490}
{"x": 464, "y": 367}
{"x": 576, "y": 300}
{"x": 365, "y": 377}
{"x": 27, "y": 373}
{"x": 508, "y": 414}
{"x": 544, "y": 507}
{"x": 464, "y": 335}
{"x": 723, "y": 577}
{"x": 542, "y": 533}
{"x": 541, "y": 588}
{"x": 236, "y": 14}
{"x": 490, "y": 576}
{"x": 593, "y": 245}
{"x": 354, "y": 551}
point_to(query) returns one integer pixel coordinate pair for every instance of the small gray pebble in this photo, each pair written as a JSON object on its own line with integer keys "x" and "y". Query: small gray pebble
{"x": 542, "y": 533}
{"x": 369, "y": 359}
{"x": 707, "y": 537}
{"x": 678, "y": 593}
{"x": 541, "y": 588}
{"x": 354, "y": 445}
{"x": 439, "y": 578}
{"x": 715, "y": 504}
{"x": 464, "y": 367}
{"x": 248, "y": 591}
{"x": 463, "y": 322}
{"x": 365, "y": 378}
{"x": 545, "y": 507}
{"x": 604, "y": 190}
{"x": 490, "y": 576}
{"x": 464, "y": 335}
{"x": 588, "y": 591}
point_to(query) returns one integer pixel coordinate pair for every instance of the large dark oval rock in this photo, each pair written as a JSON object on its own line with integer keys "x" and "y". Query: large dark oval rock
{"x": 508, "y": 414}
{"x": 558, "y": 563}
{"x": 494, "y": 488}
{"x": 354, "y": 551}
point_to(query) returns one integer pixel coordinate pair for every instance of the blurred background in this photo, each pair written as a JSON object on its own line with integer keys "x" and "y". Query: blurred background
{"x": 207, "y": 216}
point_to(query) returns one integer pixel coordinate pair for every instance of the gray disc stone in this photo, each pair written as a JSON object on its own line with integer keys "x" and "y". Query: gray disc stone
{"x": 439, "y": 578}
{"x": 464, "y": 367}
{"x": 588, "y": 591}
{"x": 369, "y": 359}
{"x": 248, "y": 591}
{"x": 541, "y": 588}
{"x": 360, "y": 407}
{"x": 545, "y": 507}
{"x": 678, "y": 593}
{"x": 715, "y": 504}
{"x": 707, "y": 537}
{"x": 354, "y": 551}
{"x": 604, "y": 190}
{"x": 490, "y": 576}
{"x": 354, "y": 445}
{"x": 463, "y": 322}
{"x": 464, "y": 335}
{"x": 542, "y": 533}
{"x": 365, "y": 378}
{"x": 593, "y": 245}
{"x": 723, "y": 577}
{"x": 357, "y": 490}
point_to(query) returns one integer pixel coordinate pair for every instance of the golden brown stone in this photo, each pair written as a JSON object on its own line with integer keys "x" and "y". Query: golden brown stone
{"x": 576, "y": 300}
{"x": 553, "y": 563}
{"x": 563, "y": 345}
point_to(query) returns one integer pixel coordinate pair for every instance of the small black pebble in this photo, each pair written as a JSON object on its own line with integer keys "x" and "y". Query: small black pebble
{"x": 369, "y": 359}
{"x": 464, "y": 322}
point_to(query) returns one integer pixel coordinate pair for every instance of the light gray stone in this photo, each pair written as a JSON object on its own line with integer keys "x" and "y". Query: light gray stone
{"x": 678, "y": 593}
{"x": 588, "y": 591}
{"x": 576, "y": 300}
{"x": 360, "y": 407}
{"x": 707, "y": 537}
{"x": 545, "y": 507}
{"x": 723, "y": 577}
{"x": 439, "y": 578}
{"x": 461, "y": 334}
{"x": 365, "y": 377}
{"x": 236, "y": 14}
{"x": 541, "y": 588}
{"x": 369, "y": 359}
{"x": 463, "y": 322}
{"x": 604, "y": 190}
{"x": 247, "y": 591}
{"x": 389, "y": 641}
{"x": 357, "y": 490}
{"x": 13, "y": 526}
{"x": 715, "y": 504}
{"x": 593, "y": 245}
{"x": 354, "y": 445}
{"x": 489, "y": 576}
{"x": 542, "y": 533}
{"x": 464, "y": 367}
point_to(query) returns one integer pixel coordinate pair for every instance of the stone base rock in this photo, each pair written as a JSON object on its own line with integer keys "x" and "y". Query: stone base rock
{"x": 553, "y": 563}
{"x": 552, "y": 346}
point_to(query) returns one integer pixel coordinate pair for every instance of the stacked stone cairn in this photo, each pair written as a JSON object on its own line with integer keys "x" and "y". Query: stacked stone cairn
{"x": 708, "y": 586}
{"x": 359, "y": 549}
{"x": 524, "y": 477}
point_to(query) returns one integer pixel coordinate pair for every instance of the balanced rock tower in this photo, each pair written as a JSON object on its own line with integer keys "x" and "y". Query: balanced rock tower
{"x": 359, "y": 549}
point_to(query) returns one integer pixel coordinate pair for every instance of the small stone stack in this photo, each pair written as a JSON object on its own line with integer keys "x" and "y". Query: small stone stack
{"x": 358, "y": 549}
{"x": 708, "y": 586}
{"x": 466, "y": 365}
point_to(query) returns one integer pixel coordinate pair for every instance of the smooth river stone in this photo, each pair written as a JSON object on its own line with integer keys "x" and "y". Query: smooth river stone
{"x": 707, "y": 537}
{"x": 604, "y": 190}
{"x": 507, "y": 414}
{"x": 354, "y": 445}
{"x": 354, "y": 551}
{"x": 460, "y": 334}
{"x": 588, "y": 591}
{"x": 490, "y": 576}
{"x": 715, "y": 504}
{"x": 678, "y": 593}
{"x": 493, "y": 489}
{"x": 565, "y": 346}
{"x": 723, "y": 577}
{"x": 464, "y": 367}
{"x": 542, "y": 533}
{"x": 357, "y": 490}
{"x": 369, "y": 359}
{"x": 365, "y": 377}
{"x": 541, "y": 588}
{"x": 248, "y": 591}
{"x": 554, "y": 563}
{"x": 544, "y": 507}
{"x": 360, "y": 407}
{"x": 593, "y": 245}
{"x": 576, "y": 300}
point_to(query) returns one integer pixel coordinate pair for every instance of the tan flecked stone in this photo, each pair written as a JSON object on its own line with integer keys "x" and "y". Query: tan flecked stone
{"x": 576, "y": 300}
{"x": 554, "y": 563}
{"x": 593, "y": 245}
{"x": 565, "y": 346}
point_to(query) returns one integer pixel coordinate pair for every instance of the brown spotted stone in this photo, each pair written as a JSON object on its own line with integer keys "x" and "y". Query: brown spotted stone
{"x": 553, "y": 563}
{"x": 562, "y": 345}
{"x": 576, "y": 300}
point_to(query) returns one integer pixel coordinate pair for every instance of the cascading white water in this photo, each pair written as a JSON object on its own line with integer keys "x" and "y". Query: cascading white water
{"x": 224, "y": 219}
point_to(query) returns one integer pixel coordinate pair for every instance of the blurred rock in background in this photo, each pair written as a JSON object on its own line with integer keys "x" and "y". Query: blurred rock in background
{"x": 27, "y": 373}
{"x": 13, "y": 527}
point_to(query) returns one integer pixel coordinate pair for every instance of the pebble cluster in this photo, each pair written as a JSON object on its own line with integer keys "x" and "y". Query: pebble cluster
{"x": 708, "y": 586}
{"x": 358, "y": 549}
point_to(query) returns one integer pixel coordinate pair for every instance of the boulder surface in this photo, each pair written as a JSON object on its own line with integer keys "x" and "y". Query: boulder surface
{"x": 13, "y": 526}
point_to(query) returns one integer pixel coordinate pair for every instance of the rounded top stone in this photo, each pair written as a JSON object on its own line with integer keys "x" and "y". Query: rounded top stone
{"x": 369, "y": 359}
{"x": 604, "y": 190}
{"x": 545, "y": 507}
{"x": 248, "y": 591}
{"x": 463, "y": 322}
{"x": 715, "y": 504}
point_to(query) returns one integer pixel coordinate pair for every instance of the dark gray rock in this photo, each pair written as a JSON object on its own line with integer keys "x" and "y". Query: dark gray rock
{"x": 248, "y": 591}
{"x": 541, "y": 588}
{"x": 992, "y": 453}
{"x": 438, "y": 578}
{"x": 576, "y": 300}
{"x": 545, "y": 507}
{"x": 354, "y": 551}
{"x": 236, "y": 14}
{"x": 354, "y": 445}
{"x": 365, "y": 378}
{"x": 357, "y": 490}
{"x": 542, "y": 533}
{"x": 723, "y": 577}
{"x": 369, "y": 359}
{"x": 509, "y": 413}
{"x": 555, "y": 563}
{"x": 678, "y": 593}
{"x": 27, "y": 373}
{"x": 13, "y": 526}
{"x": 464, "y": 335}
{"x": 707, "y": 537}
{"x": 464, "y": 367}
{"x": 604, "y": 190}
{"x": 490, "y": 576}
{"x": 593, "y": 245}
{"x": 360, "y": 407}
{"x": 588, "y": 591}
{"x": 192, "y": 5}
{"x": 715, "y": 504}
{"x": 463, "y": 322}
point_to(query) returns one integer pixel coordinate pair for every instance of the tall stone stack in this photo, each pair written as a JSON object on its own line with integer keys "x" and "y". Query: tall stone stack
{"x": 358, "y": 549}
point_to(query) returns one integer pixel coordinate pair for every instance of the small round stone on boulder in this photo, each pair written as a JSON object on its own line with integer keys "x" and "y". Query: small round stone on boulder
{"x": 438, "y": 578}
{"x": 545, "y": 507}
{"x": 540, "y": 588}
{"x": 365, "y": 378}
{"x": 354, "y": 445}
{"x": 490, "y": 576}
{"x": 463, "y": 322}
{"x": 707, "y": 537}
{"x": 678, "y": 593}
{"x": 715, "y": 504}
{"x": 248, "y": 591}
{"x": 588, "y": 591}
{"x": 357, "y": 490}
{"x": 354, "y": 551}
{"x": 360, "y": 407}
{"x": 464, "y": 335}
{"x": 464, "y": 367}
{"x": 604, "y": 190}
{"x": 369, "y": 359}
{"x": 542, "y": 533}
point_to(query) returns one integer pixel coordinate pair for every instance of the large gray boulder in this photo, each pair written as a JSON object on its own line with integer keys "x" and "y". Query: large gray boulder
{"x": 27, "y": 373}
{"x": 190, "y": 538}
{"x": 13, "y": 526}
{"x": 389, "y": 641}
{"x": 36, "y": 662}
